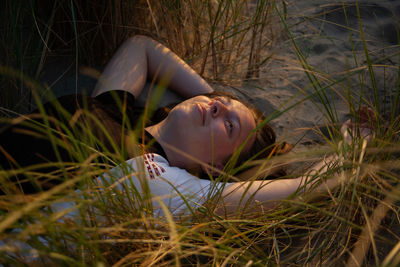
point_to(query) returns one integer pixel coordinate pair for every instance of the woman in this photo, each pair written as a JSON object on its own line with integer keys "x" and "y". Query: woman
{"x": 199, "y": 135}
{"x": 140, "y": 59}
{"x": 215, "y": 125}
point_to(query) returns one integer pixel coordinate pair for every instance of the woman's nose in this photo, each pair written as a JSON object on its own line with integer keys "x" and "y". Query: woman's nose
{"x": 218, "y": 109}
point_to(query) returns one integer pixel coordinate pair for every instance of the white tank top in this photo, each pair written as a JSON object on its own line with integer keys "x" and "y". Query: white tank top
{"x": 181, "y": 192}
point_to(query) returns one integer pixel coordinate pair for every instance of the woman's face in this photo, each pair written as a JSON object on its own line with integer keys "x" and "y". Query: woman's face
{"x": 211, "y": 129}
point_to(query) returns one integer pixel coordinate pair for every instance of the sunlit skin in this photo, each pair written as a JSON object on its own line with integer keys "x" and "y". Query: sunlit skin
{"x": 208, "y": 129}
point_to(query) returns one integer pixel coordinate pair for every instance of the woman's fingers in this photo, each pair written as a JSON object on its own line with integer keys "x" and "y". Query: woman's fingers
{"x": 366, "y": 116}
{"x": 363, "y": 127}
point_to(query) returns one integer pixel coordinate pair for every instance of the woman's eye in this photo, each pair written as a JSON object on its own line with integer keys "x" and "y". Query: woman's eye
{"x": 229, "y": 124}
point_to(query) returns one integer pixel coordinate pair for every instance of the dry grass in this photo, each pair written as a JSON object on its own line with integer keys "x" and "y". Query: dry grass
{"x": 356, "y": 223}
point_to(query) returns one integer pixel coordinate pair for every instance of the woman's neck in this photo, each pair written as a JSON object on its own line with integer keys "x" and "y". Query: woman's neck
{"x": 171, "y": 146}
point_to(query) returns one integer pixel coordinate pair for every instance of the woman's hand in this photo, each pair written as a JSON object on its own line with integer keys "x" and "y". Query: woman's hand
{"x": 140, "y": 59}
{"x": 363, "y": 126}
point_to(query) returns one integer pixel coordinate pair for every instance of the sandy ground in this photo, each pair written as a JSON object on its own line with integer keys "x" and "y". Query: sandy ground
{"x": 320, "y": 31}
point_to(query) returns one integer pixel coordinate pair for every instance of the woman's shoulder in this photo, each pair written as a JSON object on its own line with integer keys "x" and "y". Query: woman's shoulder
{"x": 152, "y": 173}
{"x": 157, "y": 167}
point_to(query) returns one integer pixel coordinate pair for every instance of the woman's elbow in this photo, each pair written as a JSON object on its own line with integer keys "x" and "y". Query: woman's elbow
{"x": 140, "y": 39}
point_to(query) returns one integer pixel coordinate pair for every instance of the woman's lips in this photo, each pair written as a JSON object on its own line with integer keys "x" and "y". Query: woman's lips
{"x": 202, "y": 111}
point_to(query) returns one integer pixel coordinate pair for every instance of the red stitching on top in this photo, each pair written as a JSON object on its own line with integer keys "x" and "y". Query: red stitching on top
{"x": 162, "y": 169}
{"x": 155, "y": 167}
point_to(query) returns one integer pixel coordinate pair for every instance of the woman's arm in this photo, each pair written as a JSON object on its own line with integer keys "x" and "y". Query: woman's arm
{"x": 267, "y": 194}
{"x": 141, "y": 58}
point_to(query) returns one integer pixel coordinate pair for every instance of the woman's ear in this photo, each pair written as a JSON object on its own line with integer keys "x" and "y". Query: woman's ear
{"x": 214, "y": 169}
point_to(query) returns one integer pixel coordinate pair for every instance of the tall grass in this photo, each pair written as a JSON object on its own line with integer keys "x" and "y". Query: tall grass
{"x": 219, "y": 39}
{"x": 365, "y": 206}
{"x": 108, "y": 226}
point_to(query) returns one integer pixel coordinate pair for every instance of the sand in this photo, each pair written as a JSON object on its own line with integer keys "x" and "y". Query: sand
{"x": 323, "y": 38}
{"x": 321, "y": 34}
{"x": 320, "y": 31}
